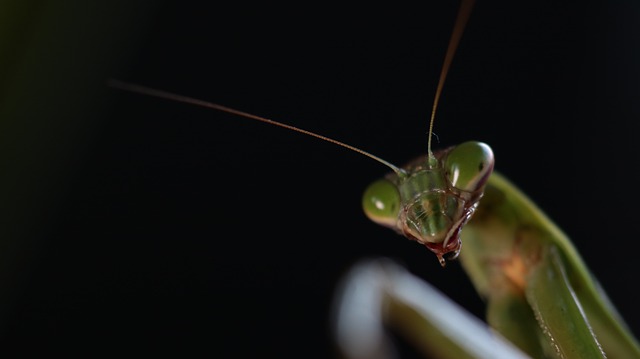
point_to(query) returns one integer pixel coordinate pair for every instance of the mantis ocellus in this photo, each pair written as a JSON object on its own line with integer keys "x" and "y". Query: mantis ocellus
{"x": 470, "y": 245}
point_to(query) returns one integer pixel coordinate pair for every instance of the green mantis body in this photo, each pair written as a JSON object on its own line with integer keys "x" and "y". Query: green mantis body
{"x": 134, "y": 203}
{"x": 539, "y": 293}
{"x": 527, "y": 268}
{"x": 354, "y": 238}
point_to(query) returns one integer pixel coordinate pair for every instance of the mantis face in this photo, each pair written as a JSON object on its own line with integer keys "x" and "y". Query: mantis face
{"x": 431, "y": 202}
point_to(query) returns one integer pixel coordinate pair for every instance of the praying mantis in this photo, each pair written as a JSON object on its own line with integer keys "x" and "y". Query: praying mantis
{"x": 309, "y": 238}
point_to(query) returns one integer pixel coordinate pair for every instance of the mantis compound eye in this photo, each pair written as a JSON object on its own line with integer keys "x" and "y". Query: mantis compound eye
{"x": 469, "y": 165}
{"x": 381, "y": 202}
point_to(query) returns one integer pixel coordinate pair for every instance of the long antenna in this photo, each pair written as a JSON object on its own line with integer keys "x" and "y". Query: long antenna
{"x": 458, "y": 28}
{"x": 193, "y": 101}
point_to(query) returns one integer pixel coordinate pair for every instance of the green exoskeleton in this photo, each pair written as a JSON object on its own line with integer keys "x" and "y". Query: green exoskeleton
{"x": 540, "y": 295}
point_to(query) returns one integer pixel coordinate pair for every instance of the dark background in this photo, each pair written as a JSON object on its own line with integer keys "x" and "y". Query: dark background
{"x": 171, "y": 227}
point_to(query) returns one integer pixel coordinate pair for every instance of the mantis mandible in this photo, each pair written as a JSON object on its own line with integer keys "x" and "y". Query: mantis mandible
{"x": 441, "y": 132}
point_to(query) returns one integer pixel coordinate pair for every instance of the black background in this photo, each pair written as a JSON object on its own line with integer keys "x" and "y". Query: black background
{"x": 184, "y": 228}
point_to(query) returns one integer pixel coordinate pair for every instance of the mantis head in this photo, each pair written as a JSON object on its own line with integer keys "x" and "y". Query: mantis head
{"x": 430, "y": 202}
